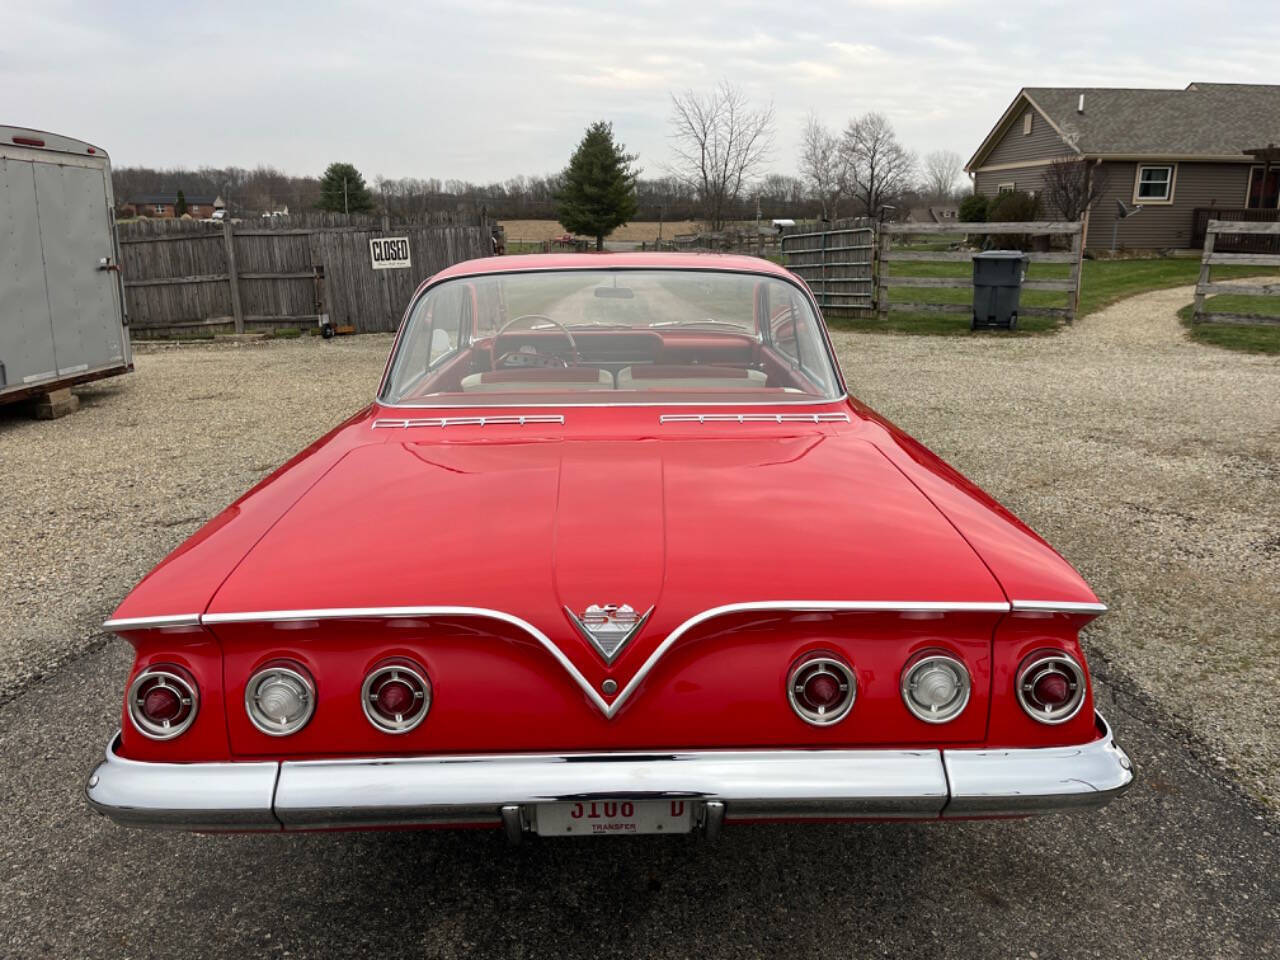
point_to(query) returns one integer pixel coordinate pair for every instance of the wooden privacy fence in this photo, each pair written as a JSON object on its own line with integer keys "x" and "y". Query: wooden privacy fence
{"x": 185, "y": 276}
{"x": 889, "y": 256}
{"x": 837, "y": 262}
{"x": 1215, "y": 258}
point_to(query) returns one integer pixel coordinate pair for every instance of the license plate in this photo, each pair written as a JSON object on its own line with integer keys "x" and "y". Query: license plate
{"x": 613, "y": 818}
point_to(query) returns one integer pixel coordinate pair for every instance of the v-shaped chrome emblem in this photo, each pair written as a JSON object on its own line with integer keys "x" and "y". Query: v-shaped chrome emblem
{"x": 608, "y": 627}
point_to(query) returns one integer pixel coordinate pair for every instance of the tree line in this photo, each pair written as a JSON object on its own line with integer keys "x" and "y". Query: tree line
{"x": 718, "y": 172}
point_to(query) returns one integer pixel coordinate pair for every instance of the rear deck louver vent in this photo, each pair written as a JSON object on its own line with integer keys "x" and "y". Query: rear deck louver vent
{"x": 465, "y": 421}
{"x": 754, "y": 418}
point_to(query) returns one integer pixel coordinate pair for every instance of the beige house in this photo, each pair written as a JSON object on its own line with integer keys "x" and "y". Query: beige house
{"x": 1183, "y": 155}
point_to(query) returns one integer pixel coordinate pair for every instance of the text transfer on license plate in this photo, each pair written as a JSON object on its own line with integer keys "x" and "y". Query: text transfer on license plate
{"x": 602, "y": 818}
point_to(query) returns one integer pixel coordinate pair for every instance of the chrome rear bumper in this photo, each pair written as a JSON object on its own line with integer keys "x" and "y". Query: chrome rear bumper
{"x": 506, "y": 790}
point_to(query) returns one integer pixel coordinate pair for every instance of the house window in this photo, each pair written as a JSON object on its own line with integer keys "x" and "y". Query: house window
{"x": 1154, "y": 184}
{"x": 1006, "y": 187}
{"x": 1262, "y": 195}
{"x": 159, "y": 209}
{"x": 1026, "y": 124}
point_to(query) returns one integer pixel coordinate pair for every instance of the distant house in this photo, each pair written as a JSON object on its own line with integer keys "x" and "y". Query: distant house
{"x": 946, "y": 213}
{"x": 164, "y": 205}
{"x": 1172, "y": 151}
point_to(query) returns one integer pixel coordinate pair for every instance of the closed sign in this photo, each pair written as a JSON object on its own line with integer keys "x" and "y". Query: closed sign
{"x": 387, "y": 253}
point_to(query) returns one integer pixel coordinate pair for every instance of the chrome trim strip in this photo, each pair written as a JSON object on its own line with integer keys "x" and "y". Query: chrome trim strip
{"x": 183, "y": 796}
{"x": 818, "y": 783}
{"x": 797, "y": 606}
{"x": 1038, "y": 779}
{"x": 369, "y": 613}
{"x": 753, "y": 418}
{"x": 749, "y": 784}
{"x": 519, "y": 421}
{"x": 1056, "y": 606}
{"x": 609, "y": 709}
{"x": 569, "y": 405}
{"x": 151, "y": 623}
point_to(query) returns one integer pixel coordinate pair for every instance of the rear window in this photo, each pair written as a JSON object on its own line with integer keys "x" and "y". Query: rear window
{"x": 611, "y": 336}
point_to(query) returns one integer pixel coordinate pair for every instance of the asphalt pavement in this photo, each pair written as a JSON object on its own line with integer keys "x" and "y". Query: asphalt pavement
{"x": 1182, "y": 866}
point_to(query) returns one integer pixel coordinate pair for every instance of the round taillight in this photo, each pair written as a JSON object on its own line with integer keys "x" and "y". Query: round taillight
{"x": 280, "y": 698}
{"x": 821, "y": 689}
{"x": 396, "y": 696}
{"x": 1051, "y": 687}
{"x": 163, "y": 701}
{"x": 935, "y": 687}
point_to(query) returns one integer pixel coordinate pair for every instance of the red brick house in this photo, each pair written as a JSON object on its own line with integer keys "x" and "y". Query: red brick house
{"x": 164, "y": 206}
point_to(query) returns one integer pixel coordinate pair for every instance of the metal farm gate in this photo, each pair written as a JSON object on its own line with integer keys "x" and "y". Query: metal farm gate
{"x": 837, "y": 261}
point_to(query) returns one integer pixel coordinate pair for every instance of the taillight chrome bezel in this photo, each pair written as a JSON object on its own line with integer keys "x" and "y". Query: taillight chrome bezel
{"x": 911, "y": 676}
{"x": 172, "y": 677}
{"x": 804, "y": 670}
{"x": 396, "y": 671}
{"x": 295, "y": 677}
{"x": 1044, "y": 663}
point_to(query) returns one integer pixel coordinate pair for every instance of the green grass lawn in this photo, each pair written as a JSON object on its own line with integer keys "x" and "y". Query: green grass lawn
{"x": 1103, "y": 283}
{"x": 1263, "y": 338}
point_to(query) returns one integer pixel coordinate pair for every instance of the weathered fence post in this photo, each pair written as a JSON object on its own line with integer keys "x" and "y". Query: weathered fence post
{"x": 233, "y": 275}
{"x": 882, "y": 270}
{"x": 1202, "y": 285}
{"x": 1077, "y": 266}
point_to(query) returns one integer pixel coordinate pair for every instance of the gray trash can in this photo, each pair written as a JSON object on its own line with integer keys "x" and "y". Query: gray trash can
{"x": 997, "y": 288}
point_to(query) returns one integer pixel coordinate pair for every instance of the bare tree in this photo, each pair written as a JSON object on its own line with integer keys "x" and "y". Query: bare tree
{"x": 880, "y": 169}
{"x": 720, "y": 142}
{"x": 941, "y": 171}
{"x": 823, "y": 166}
{"x": 1071, "y": 186}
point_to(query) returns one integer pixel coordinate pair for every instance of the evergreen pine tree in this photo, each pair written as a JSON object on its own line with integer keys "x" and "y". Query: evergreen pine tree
{"x": 599, "y": 191}
{"x": 357, "y": 198}
{"x": 180, "y": 207}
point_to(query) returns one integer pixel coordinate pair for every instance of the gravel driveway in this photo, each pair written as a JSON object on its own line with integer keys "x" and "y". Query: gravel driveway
{"x": 1149, "y": 461}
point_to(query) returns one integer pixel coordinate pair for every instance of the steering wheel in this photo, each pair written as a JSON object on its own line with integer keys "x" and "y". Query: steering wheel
{"x": 516, "y": 358}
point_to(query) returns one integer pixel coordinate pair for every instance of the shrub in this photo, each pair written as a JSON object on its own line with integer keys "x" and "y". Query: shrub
{"x": 973, "y": 208}
{"x": 1013, "y": 206}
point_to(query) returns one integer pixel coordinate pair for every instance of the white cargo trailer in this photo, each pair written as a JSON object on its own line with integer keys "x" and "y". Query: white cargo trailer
{"x": 62, "y": 317}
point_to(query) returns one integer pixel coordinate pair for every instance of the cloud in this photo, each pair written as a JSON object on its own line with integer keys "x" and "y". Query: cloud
{"x": 488, "y": 89}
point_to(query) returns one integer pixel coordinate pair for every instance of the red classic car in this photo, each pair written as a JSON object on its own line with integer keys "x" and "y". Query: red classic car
{"x": 612, "y": 552}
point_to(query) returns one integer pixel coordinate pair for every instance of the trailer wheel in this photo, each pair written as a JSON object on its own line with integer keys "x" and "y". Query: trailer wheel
{"x": 327, "y": 331}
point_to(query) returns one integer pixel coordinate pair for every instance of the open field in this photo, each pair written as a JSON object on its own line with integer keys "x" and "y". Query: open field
{"x": 1149, "y": 461}
{"x": 643, "y": 231}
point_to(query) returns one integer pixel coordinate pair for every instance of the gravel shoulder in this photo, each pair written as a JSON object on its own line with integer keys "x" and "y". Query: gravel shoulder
{"x": 1152, "y": 463}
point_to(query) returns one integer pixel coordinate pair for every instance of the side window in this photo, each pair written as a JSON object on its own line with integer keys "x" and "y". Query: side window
{"x": 796, "y": 336}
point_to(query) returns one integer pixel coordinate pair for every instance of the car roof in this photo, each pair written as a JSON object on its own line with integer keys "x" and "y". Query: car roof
{"x": 611, "y": 261}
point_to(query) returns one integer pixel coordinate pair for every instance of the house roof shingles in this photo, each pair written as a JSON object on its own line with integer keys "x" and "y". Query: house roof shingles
{"x": 1204, "y": 120}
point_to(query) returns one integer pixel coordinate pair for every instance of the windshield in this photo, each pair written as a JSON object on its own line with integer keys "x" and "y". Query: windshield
{"x": 611, "y": 336}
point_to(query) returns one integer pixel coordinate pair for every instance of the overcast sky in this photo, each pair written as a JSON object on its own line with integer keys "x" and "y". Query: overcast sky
{"x": 487, "y": 89}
